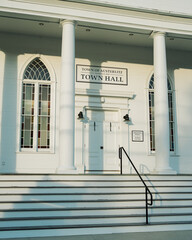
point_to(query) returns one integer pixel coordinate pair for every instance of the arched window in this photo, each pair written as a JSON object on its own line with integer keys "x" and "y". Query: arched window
{"x": 36, "y": 106}
{"x": 152, "y": 115}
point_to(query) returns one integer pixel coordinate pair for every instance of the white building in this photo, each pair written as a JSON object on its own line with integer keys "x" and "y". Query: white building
{"x": 79, "y": 79}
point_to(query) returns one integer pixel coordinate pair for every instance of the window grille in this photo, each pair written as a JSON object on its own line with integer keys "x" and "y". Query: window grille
{"x": 152, "y": 115}
{"x": 36, "y": 106}
{"x": 37, "y": 70}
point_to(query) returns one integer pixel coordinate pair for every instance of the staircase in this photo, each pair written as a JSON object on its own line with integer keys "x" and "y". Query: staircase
{"x": 65, "y": 205}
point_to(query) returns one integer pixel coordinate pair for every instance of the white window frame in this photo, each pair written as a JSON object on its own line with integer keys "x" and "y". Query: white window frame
{"x": 173, "y": 111}
{"x": 52, "y": 83}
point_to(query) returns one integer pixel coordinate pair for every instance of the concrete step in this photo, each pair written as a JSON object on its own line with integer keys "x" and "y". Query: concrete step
{"x": 90, "y": 197}
{"x": 92, "y": 204}
{"x": 93, "y": 177}
{"x": 75, "y": 197}
{"x": 108, "y": 232}
{"x": 71, "y": 221}
{"x": 141, "y": 235}
{"x": 72, "y": 204}
{"x": 86, "y": 221}
{"x": 35, "y": 205}
{"x": 71, "y": 212}
{"x": 92, "y": 190}
{"x": 70, "y": 190}
{"x": 99, "y": 184}
{"x": 166, "y": 218}
{"x": 54, "y": 212}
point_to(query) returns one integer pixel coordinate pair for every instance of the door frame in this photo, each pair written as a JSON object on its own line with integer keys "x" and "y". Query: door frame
{"x": 86, "y": 121}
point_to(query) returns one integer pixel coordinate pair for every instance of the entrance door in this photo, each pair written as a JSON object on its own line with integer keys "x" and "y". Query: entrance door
{"x": 101, "y": 141}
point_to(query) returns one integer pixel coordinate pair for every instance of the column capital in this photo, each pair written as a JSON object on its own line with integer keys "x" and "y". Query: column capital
{"x": 158, "y": 33}
{"x": 68, "y": 21}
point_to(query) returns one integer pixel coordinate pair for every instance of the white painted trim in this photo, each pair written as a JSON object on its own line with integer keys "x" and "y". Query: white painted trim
{"x": 152, "y": 153}
{"x": 104, "y": 93}
{"x": 175, "y": 152}
{"x": 117, "y": 110}
{"x": 132, "y": 7}
{"x": 44, "y": 60}
{"x": 110, "y": 109}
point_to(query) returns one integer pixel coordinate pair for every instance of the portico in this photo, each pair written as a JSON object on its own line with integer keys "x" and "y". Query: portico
{"x": 67, "y": 102}
{"x": 126, "y": 53}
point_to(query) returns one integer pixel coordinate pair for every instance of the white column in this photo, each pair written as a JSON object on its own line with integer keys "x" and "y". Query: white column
{"x": 67, "y": 99}
{"x": 161, "y": 106}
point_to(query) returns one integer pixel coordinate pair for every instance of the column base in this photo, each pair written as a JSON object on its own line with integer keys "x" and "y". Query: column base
{"x": 65, "y": 170}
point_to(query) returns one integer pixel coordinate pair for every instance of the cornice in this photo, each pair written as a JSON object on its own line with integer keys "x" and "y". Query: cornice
{"x": 127, "y": 6}
{"x": 99, "y": 15}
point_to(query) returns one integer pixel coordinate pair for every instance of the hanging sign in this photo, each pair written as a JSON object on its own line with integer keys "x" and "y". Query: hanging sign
{"x": 101, "y": 75}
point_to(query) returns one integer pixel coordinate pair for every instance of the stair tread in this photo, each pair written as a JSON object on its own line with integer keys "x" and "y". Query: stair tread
{"x": 87, "y": 208}
{"x": 92, "y": 216}
{"x": 92, "y": 226}
{"x": 89, "y": 193}
{"x": 88, "y": 203}
{"x": 70, "y": 226}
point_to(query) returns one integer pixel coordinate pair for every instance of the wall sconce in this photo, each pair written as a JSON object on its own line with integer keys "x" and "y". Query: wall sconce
{"x": 126, "y": 117}
{"x": 80, "y": 115}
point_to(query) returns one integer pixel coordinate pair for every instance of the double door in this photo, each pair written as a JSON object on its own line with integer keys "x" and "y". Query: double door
{"x": 101, "y": 141}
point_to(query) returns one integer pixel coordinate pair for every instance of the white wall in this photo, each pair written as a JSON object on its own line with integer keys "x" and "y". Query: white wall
{"x": 183, "y": 84}
{"x": 16, "y": 52}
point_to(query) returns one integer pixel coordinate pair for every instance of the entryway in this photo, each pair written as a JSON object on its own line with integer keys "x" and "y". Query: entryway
{"x": 101, "y": 141}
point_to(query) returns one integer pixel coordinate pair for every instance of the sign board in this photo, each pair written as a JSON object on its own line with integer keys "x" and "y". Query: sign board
{"x": 101, "y": 75}
{"x": 137, "y": 136}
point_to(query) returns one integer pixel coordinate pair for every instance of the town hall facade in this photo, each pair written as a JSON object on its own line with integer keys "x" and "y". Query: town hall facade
{"x": 79, "y": 82}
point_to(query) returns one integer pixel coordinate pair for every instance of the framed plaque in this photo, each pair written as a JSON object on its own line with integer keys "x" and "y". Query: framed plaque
{"x": 137, "y": 136}
{"x": 101, "y": 75}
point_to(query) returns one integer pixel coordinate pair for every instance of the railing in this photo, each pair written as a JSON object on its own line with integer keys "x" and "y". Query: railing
{"x": 147, "y": 191}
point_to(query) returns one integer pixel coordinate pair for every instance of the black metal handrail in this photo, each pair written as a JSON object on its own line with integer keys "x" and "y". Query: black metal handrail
{"x": 147, "y": 203}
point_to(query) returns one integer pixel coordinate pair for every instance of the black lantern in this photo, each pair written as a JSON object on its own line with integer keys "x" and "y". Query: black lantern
{"x": 126, "y": 117}
{"x": 80, "y": 115}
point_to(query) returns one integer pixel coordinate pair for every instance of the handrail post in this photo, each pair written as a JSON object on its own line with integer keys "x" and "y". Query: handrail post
{"x": 146, "y": 205}
{"x": 120, "y": 157}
